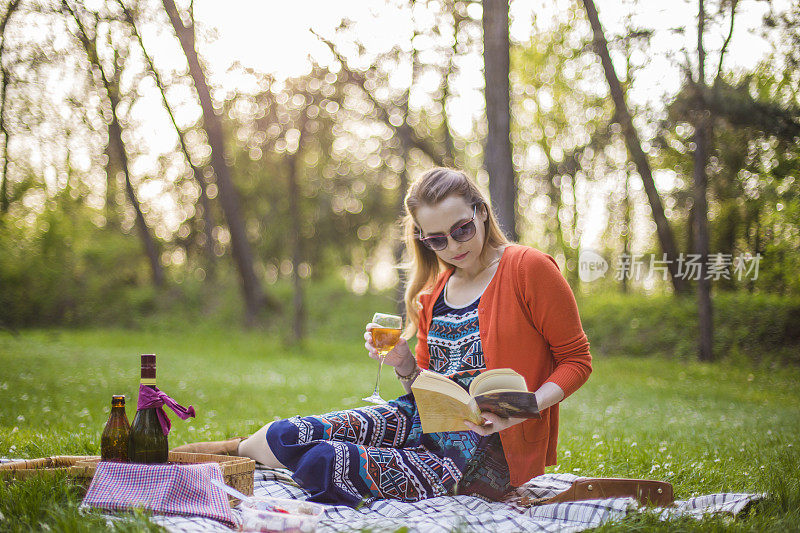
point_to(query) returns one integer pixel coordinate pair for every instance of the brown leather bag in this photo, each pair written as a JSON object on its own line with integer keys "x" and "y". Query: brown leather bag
{"x": 646, "y": 491}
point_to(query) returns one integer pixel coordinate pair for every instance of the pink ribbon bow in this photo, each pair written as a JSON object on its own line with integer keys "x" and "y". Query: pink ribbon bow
{"x": 152, "y": 397}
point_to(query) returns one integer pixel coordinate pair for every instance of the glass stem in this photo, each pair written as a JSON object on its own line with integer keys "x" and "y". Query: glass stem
{"x": 378, "y": 378}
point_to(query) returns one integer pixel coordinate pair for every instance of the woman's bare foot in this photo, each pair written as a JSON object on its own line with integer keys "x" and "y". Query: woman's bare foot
{"x": 255, "y": 447}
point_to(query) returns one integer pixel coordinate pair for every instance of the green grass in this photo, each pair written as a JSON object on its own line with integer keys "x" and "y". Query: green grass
{"x": 721, "y": 427}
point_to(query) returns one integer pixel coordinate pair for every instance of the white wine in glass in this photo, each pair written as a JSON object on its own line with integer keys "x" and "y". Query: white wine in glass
{"x": 384, "y": 337}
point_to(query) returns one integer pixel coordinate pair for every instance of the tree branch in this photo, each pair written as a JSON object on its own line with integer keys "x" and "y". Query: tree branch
{"x": 384, "y": 114}
{"x": 727, "y": 40}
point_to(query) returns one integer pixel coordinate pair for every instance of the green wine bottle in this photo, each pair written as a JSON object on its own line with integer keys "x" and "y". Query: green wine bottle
{"x": 114, "y": 440}
{"x": 147, "y": 443}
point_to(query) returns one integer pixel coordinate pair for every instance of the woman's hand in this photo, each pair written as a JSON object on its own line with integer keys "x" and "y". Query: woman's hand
{"x": 492, "y": 424}
{"x": 400, "y": 357}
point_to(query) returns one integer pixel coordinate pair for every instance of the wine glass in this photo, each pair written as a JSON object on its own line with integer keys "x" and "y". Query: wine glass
{"x": 384, "y": 337}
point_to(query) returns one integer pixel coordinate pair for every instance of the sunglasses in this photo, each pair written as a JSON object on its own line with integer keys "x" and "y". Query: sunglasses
{"x": 462, "y": 233}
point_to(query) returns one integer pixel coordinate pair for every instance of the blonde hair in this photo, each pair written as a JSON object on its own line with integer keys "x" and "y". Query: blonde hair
{"x": 429, "y": 189}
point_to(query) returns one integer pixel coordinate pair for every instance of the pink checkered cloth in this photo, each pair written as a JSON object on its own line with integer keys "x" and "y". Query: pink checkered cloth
{"x": 170, "y": 489}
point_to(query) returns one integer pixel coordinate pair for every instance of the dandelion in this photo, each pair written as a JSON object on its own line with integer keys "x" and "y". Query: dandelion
{"x": 21, "y": 418}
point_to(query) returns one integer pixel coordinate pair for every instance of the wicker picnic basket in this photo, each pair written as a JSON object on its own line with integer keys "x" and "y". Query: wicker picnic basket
{"x": 43, "y": 466}
{"x": 237, "y": 472}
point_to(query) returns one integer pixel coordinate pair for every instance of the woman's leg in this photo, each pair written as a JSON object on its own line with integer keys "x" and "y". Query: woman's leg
{"x": 256, "y": 447}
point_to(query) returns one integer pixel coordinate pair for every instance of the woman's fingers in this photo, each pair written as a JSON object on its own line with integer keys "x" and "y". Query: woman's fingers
{"x": 492, "y": 418}
{"x": 480, "y": 430}
{"x": 491, "y": 424}
{"x": 368, "y": 335}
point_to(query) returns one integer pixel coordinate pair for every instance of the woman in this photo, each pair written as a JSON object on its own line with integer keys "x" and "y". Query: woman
{"x": 476, "y": 302}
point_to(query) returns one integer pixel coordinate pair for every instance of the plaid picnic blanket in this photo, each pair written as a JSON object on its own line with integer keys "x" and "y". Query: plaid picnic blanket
{"x": 467, "y": 513}
{"x": 447, "y": 513}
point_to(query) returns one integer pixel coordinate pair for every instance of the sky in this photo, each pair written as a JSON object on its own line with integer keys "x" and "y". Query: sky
{"x": 274, "y": 37}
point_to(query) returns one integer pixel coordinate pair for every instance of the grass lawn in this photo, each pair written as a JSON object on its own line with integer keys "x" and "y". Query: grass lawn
{"x": 721, "y": 427}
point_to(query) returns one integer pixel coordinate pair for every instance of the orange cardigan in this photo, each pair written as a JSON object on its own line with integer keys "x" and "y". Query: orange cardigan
{"x": 528, "y": 321}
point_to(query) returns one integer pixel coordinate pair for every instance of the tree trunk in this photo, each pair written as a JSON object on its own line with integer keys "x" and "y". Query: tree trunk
{"x": 150, "y": 247}
{"x": 702, "y": 140}
{"x": 405, "y": 143}
{"x": 405, "y": 134}
{"x": 197, "y": 173}
{"x": 254, "y": 297}
{"x": 112, "y": 168}
{"x": 4, "y": 202}
{"x": 627, "y": 221}
{"x": 497, "y": 156}
{"x": 634, "y": 146}
{"x": 298, "y": 320}
{"x": 117, "y": 148}
{"x": 449, "y": 143}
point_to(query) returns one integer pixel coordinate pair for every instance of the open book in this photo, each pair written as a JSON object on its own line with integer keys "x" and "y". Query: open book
{"x": 444, "y": 405}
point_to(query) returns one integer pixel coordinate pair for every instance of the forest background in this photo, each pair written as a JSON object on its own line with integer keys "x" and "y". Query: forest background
{"x": 140, "y": 178}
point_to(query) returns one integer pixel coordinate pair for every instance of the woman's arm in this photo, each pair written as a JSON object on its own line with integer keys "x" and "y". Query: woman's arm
{"x": 554, "y": 312}
{"x": 548, "y": 394}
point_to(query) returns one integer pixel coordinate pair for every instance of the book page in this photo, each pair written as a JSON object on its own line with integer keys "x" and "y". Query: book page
{"x": 432, "y": 381}
{"x": 497, "y": 379}
{"x": 439, "y": 412}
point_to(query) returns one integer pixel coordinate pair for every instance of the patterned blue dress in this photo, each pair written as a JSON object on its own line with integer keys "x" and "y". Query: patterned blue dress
{"x": 378, "y": 452}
